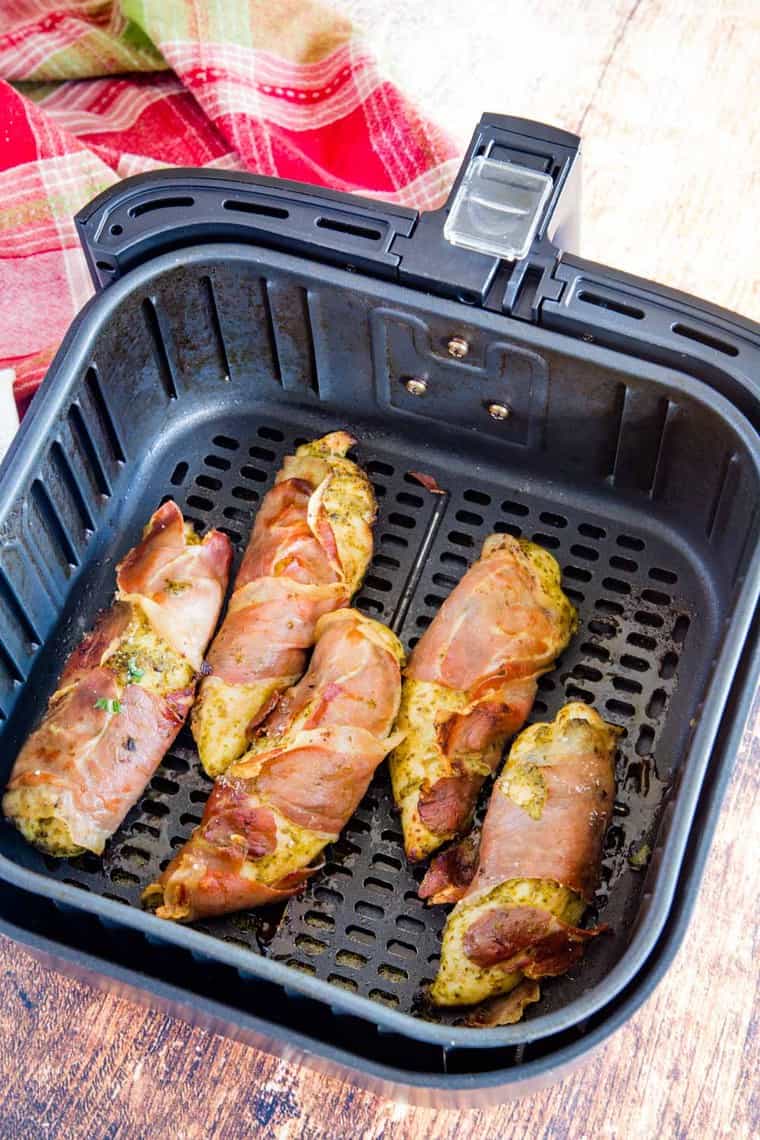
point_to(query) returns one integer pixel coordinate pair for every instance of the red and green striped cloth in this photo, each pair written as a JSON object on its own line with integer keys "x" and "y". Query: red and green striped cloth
{"x": 94, "y": 90}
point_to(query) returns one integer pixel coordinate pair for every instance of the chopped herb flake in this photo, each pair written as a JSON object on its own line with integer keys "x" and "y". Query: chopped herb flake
{"x": 109, "y": 704}
{"x": 134, "y": 672}
{"x": 639, "y": 859}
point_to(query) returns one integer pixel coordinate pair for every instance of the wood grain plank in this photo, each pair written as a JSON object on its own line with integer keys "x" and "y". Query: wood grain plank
{"x": 665, "y": 94}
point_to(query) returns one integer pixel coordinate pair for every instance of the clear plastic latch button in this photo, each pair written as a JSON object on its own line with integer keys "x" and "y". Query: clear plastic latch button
{"x": 497, "y": 208}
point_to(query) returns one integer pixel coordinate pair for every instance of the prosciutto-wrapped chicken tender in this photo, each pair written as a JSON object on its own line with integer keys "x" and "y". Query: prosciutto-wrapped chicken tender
{"x": 125, "y": 691}
{"x": 308, "y": 552}
{"x": 536, "y": 871}
{"x": 272, "y": 813}
{"x": 470, "y": 684}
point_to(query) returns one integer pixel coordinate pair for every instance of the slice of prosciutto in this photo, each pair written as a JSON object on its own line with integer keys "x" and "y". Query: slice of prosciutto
{"x": 470, "y": 684}
{"x": 309, "y": 549}
{"x": 272, "y": 813}
{"x": 522, "y": 898}
{"x": 124, "y": 693}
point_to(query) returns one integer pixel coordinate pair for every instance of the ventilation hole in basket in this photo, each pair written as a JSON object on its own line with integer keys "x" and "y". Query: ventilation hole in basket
{"x": 357, "y": 826}
{"x": 539, "y": 706}
{"x": 423, "y": 621}
{"x": 627, "y": 565}
{"x": 590, "y": 531}
{"x": 319, "y": 920}
{"x": 661, "y": 575}
{"x": 616, "y": 585}
{"x": 602, "y": 628}
{"x": 346, "y": 848}
{"x": 645, "y": 740}
{"x": 394, "y": 540}
{"x": 258, "y": 208}
{"x": 155, "y": 808}
{"x": 134, "y": 855}
{"x": 577, "y": 574}
{"x": 514, "y": 508}
{"x": 77, "y": 883}
{"x": 386, "y": 560}
{"x": 558, "y": 521}
{"x": 328, "y": 895}
{"x": 507, "y": 528}
{"x": 199, "y": 795}
{"x": 610, "y": 303}
{"x": 391, "y": 835}
{"x": 576, "y": 693}
{"x": 189, "y": 819}
{"x": 657, "y": 703}
{"x": 125, "y": 878}
{"x": 360, "y": 934}
{"x": 369, "y": 910}
{"x": 469, "y": 518}
{"x": 407, "y": 499}
{"x": 208, "y": 482}
{"x": 396, "y": 518}
{"x": 379, "y": 490}
{"x": 478, "y": 497}
{"x": 161, "y": 784}
{"x": 384, "y": 998}
{"x": 264, "y": 453}
{"x": 274, "y": 434}
{"x": 310, "y": 945}
{"x": 179, "y": 473}
{"x": 255, "y": 474}
{"x": 392, "y": 973}
{"x": 369, "y": 605}
{"x": 704, "y": 338}
{"x": 199, "y": 503}
{"x": 656, "y": 597}
{"x": 622, "y": 708}
{"x": 643, "y": 617}
{"x": 401, "y": 949}
{"x": 146, "y": 828}
{"x": 575, "y": 595}
{"x": 615, "y": 838}
{"x": 641, "y": 641}
{"x": 299, "y": 441}
{"x": 377, "y": 467}
{"x": 448, "y": 558}
{"x": 177, "y": 841}
{"x": 377, "y": 583}
{"x": 628, "y": 661}
{"x": 550, "y": 541}
{"x": 459, "y": 538}
{"x": 245, "y": 494}
{"x": 680, "y": 629}
{"x": 304, "y": 967}
{"x": 372, "y": 883}
{"x": 630, "y": 543}
{"x": 406, "y": 922}
{"x": 218, "y": 462}
{"x": 412, "y": 642}
{"x": 237, "y": 514}
{"x": 343, "y": 983}
{"x": 587, "y": 673}
{"x": 445, "y": 580}
{"x": 626, "y": 685}
{"x": 586, "y": 552}
{"x": 227, "y": 442}
{"x": 596, "y": 651}
{"x": 350, "y": 958}
{"x": 386, "y": 861}
{"x": 433, "y": 600}
{"x": 546, "y": 684}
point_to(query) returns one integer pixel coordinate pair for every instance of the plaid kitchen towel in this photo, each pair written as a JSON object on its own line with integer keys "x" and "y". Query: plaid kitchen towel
{"x": 94, "y": 90}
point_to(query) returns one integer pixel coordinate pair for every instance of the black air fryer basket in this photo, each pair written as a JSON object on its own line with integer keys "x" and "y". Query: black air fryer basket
{"x": 609, "y": 419}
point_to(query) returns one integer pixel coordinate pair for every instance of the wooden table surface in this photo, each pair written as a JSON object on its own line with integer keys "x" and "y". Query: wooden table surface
{"x": 666, "y": 97}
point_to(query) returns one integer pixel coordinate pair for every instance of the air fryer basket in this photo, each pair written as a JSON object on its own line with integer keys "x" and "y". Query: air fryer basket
{"x": 201, "y": 365}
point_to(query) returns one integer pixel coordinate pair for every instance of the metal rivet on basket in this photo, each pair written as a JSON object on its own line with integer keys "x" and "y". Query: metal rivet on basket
{"x": 498, "y": 411}
{"x": 416, "y": 385}
{"x": 458, "y": 347}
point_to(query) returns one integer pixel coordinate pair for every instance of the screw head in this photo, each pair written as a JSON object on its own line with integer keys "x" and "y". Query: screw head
{"x": 458, "y": 347}
{"x": 498, "y": 411}
{"x": 416, "y": 385}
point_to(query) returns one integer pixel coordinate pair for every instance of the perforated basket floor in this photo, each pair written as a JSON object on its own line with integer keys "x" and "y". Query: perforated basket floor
{"x": 359, "y": 923}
